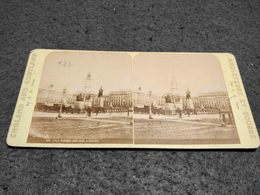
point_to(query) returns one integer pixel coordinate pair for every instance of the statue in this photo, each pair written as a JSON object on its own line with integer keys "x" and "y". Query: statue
{"x": 188, "y": 96}
{"x": 100, "y": 101}
{"x": 100, "y": 92}
{"x": 168, "y": 99}
{"x": 189, "y": 103}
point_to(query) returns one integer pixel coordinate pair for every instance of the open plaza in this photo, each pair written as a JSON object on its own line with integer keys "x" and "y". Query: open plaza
{"x": 123, "y": 128}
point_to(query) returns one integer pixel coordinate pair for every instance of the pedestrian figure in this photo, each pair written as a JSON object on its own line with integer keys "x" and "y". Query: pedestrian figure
{"x": 100, "y": 96}
{"x": 219, "y": 112}
{"x": 202, "y": 108}
{"x": 89, "y": 111}
{"x": 110, "y": 107}
{"x": 180, "y": 108}
{"x": 179, "y": 111}
{"x": 97, "y": 110}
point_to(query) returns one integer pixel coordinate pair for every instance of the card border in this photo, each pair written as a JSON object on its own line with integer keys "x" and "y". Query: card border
{"x": 20, "y": 124}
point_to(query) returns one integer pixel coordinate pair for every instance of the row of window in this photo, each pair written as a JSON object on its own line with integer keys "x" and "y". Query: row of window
{"x": 140, "y": 99}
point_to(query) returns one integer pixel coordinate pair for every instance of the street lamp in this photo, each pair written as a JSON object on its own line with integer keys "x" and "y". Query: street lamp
{"x": 150, "y": 105}
{"x": 62, "y": 101}
{"x": 126, "y": 106}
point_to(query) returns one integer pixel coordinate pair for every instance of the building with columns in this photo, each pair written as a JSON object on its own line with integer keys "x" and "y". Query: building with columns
{"x": 212, "y": 100}
{"x": 120, "y": 98}
{"x": 207, "y": 101}
{"x": 51, "y": 97}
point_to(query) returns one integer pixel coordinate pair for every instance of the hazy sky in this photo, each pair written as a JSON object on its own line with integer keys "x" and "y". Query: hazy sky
{"x": 151, "y": 71}
{"x": 200, "y": 73}
{"x": 109, "y": 70}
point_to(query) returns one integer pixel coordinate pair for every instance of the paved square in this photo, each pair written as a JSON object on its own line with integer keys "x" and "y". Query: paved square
{"x": 81, "y": 130}
{"x": 179, "y": 131}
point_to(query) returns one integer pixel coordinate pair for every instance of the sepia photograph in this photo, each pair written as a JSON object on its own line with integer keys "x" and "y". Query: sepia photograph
{"x": 152, "y": 98}
{"x": 84, "y": 98}
{"x": 181, "y": 99}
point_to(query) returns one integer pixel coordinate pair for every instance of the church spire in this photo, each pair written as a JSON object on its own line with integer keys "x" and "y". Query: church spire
{"x": 87, "y": 85}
